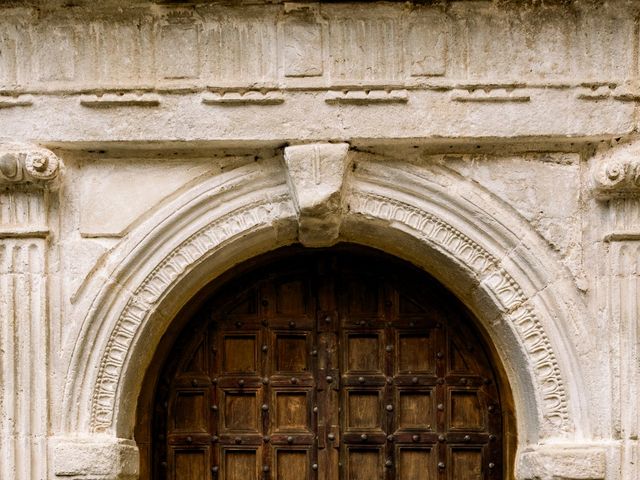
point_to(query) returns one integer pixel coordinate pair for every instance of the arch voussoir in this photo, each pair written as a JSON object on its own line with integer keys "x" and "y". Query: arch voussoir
{"x": 379, "y": 206}
{"x": 510, "y": 299}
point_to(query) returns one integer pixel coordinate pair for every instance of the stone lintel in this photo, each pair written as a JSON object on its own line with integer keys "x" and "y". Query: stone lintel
{"x": 315, "y": 174}
{"x": 28, "y": 164}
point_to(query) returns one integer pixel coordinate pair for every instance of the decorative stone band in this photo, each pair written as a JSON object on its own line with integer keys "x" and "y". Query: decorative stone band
{"x": 20, "y": 164}
{"x": 495, "y": 279}
{"x": 149, "y": 293}
{"x": 305, "y": 173}
{"x": 617, "y": 174}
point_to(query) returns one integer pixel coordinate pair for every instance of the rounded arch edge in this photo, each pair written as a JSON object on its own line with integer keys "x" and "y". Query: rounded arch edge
{"x": 494, "y": 294}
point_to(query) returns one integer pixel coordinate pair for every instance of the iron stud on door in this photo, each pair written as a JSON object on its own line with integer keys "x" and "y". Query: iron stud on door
{"x": 373, "y": 390}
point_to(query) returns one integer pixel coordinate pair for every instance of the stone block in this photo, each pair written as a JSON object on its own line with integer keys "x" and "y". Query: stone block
{"x": 315, "y": 174}
{"x": 302, "y": 49}
{"x": 95, "y": 458}
{"x": 563, "y": 462}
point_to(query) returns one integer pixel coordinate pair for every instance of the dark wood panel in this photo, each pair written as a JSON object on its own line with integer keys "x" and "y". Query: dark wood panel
{"x": 364, "y": 353}
{"x": 416, "y": 353}
{"x": 465, "y": 463}
{"x": 239, "y": 464}
{"x": 240, "y": 354}
{"x": 190, "y": 413}
{"x": 417, "y": 463}
{"x": 189, "y": 464}
{"x": 416, "y": 410}
{"x": 333, "y": 368}
{"x": 364, "y": 464}
{"x": 292, "y": 464}
{"x": 241, "y": 412}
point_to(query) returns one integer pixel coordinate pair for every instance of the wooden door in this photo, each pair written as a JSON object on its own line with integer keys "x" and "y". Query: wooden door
{"x": 329, "y": 366}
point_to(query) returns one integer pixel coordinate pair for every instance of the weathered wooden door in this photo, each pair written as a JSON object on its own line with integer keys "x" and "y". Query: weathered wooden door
{"x": 329, "y": 366}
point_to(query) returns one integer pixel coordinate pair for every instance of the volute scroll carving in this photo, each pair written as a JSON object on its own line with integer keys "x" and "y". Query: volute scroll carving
{"x": 28, "y": 164}
{"x": 617, "y": 175}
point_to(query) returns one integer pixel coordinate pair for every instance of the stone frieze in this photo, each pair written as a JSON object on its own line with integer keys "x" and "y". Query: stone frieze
{"x": 315, "y": 46}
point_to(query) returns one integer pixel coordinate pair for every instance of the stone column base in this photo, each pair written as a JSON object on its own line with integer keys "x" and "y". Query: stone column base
{"x": 562, "y": 462}
{"x": 95, "y": 457}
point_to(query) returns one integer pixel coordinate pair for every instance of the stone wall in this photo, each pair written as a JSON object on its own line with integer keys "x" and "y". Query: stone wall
{"x": 147, "y": 147}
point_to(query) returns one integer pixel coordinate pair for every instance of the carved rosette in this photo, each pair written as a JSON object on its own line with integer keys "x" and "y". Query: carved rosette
{"x": 617, "y": 175}
{"x": 27, "y": 164}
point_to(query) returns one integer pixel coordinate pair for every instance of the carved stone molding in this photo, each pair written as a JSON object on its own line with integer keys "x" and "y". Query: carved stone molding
{"x": 617, "y": 174}
{"x": 315, "y": 174}
{"x": 148, "y": 294}
{"x": 28, "y": 164}
{"x": 616, "y": 177}
{"x": 497, "y": 280}
{"x": 265, "y": 209}
{"x": 23, "y": 343}
{"x": 378, "y": 44}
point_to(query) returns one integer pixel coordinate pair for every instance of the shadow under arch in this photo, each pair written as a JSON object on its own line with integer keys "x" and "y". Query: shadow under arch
{"x": 193, "y": 318}
{"x": 453, "y": 230}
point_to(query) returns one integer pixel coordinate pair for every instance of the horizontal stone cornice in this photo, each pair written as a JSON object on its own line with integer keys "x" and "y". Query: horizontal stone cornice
{"x": 98, "y": 46}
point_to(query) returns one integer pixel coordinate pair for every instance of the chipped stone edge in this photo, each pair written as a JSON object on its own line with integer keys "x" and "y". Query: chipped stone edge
{"x": 365, "y": 97}
{"x": 114, "y": 100}
{"x": 243, "y": 98}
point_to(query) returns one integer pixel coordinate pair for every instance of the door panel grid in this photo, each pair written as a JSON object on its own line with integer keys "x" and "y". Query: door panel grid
{"x": 330, "y": 369}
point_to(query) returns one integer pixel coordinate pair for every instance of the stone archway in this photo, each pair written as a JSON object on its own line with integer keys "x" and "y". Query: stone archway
{"x": 270, "y": 369}
{"x": 453, "y": 229}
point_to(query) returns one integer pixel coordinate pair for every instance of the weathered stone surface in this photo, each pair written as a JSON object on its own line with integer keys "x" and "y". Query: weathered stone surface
{"x": 315, "y": 174}
{"x": 148, "y": 147}
{"x": 97, "y": 457}
{"x": 128, "y": 200}
{"x": 21, "y": 163}
{"x": 617, "y": 173}
{"x": 469, "y": 69}
{"x": 562, "y": 462}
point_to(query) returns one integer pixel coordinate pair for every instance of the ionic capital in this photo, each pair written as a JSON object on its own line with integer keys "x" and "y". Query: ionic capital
{"x": 617, "y": 173}
{"x": 28, "y": 164}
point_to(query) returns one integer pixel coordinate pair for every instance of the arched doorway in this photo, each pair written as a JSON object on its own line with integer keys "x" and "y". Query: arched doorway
{"x": 339, "y": 363}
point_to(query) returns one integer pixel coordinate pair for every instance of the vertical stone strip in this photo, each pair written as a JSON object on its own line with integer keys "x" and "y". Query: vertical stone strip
{"x": 616, "y": 179}
{"x": 26, "y": 176}
{"x": 628, "y": 256}
{"x": 23, "y": 346}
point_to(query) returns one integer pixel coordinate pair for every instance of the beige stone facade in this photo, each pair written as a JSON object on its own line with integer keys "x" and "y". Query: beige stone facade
{"x": 148, "y": 147}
